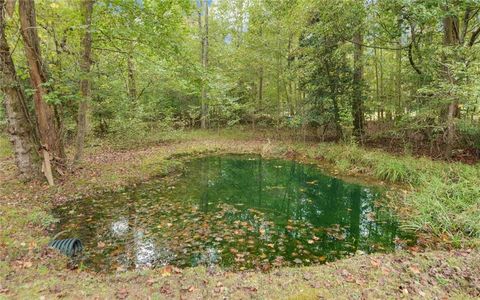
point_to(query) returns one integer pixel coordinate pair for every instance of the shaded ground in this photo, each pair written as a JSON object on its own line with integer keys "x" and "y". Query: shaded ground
{"x": 28, "y": 269}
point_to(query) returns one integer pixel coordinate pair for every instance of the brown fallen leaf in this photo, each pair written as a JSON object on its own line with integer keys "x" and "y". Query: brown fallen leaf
{"x": 374, "y": 262}
{"x": 122, "y": 293}
{"x": 347, "y": 276}
{"x": 167, "y": 271}
{"x": 415, "y": 270}
{"x": 189, "y": 289}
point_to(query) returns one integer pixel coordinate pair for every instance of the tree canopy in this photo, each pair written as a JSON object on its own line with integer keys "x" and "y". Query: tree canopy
{"x": 383, "y": 72}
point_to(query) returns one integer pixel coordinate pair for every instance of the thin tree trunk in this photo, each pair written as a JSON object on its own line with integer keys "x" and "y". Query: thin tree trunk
{"x": 260, "y": 88}
{"x": 48, "y": 126}
{"x": 357, "y": 103}
{"x": 20, "y": 127}
{"x": 336, "y": 115}
{"x": 377, "y": 85}
{"x": 132, "y": 84}
{"x": 205, "y": 68}
{"x": 85, "y": 86}
{"x": 398, "y": 79}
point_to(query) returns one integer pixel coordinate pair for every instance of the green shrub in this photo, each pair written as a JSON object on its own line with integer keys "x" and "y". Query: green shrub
{"x": 470, "y": 133}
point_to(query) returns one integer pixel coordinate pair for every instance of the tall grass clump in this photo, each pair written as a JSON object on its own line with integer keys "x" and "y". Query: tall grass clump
{"x": 444, "y": 198}
{"x": 448, "y": 202}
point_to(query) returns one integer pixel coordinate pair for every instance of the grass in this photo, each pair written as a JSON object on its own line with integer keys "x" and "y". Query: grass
{"x": 441, "y": 199}
{"x": 5, "y": 147}
{"x": 444, "y": 198}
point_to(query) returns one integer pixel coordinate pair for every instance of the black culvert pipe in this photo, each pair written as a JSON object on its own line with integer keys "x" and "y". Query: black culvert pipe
{"x": 69, "y": 247}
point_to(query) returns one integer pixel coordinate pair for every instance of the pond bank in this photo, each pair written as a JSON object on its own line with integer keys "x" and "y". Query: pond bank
{"x": 27, "y": 269}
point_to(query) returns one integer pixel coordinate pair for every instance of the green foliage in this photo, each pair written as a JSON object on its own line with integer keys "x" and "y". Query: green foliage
{"x": 470, "y": 132}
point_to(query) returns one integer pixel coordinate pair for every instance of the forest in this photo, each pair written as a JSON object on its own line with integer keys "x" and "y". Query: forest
{"x": 240, "y": 148}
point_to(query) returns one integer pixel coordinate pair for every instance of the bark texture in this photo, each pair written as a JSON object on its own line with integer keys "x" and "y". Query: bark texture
{"x": 450, "y": 38}
{"x": 48, "y": 127}
{"x": 20, "y": 127}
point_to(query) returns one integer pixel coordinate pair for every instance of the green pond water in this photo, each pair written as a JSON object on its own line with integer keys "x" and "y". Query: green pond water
{"x": 235, "y": 211}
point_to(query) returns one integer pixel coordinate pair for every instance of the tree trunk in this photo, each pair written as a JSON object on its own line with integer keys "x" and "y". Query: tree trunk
{"x": 449, "y": 39}
{"x": 357, "y": 103}
{"x": 204, "y": 113}
{"x": 85, "y": 81}
{"x": 377, "y": 89}
{"x": 336, "y": 115}
{"x": 260, "y": 88}
{"x": 20, "y": 127}
{"x": 48, "y": 126}
{"x": 132, "y": 85}
{"x": 398, "y": 79}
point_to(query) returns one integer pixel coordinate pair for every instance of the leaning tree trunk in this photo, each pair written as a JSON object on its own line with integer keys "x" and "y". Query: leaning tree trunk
{"x": 85, "y": 87}
{"x": 48, "y": 127}
{"x": 20, "y": 127}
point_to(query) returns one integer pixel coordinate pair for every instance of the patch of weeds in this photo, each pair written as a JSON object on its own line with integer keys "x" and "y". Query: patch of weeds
{"x": 160, "y": 166}
{"x": 343, "y": 165}
{"x": 41, "y": 218}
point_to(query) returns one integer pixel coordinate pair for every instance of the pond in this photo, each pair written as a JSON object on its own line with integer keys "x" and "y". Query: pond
{"x": 235, "y": 211}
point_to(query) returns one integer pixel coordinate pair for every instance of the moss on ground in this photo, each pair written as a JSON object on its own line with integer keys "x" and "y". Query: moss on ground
{"x": 29, "y": 270}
